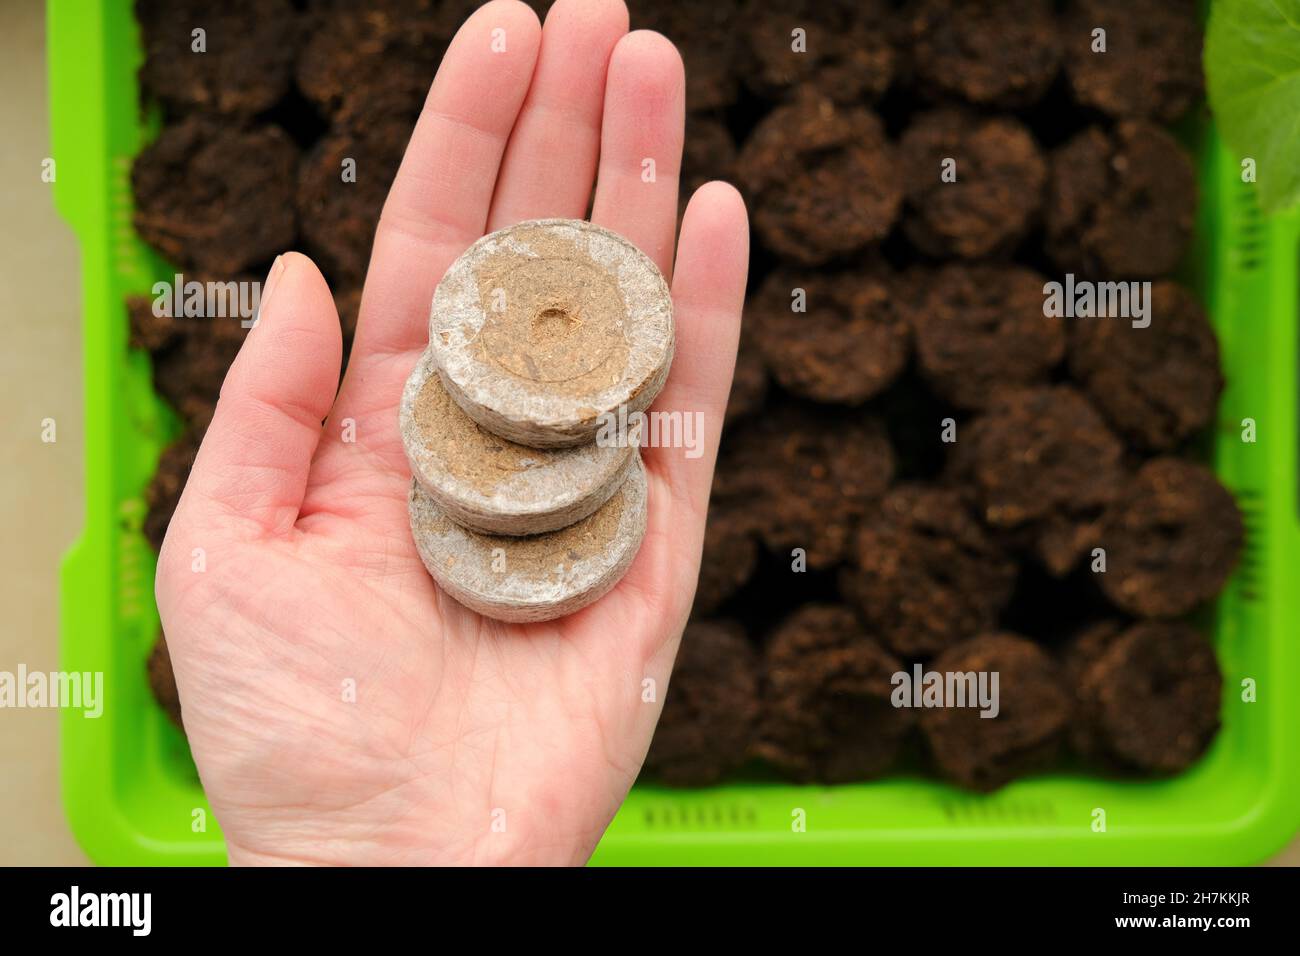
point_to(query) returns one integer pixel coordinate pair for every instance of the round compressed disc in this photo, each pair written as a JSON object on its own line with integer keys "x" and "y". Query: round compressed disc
{"x": 491, "y": 484}
{"x": 539, "y": 577}
{"x": 540, "y": 329}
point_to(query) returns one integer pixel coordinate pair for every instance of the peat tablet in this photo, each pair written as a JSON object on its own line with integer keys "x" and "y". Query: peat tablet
{"x": 541, "y": 328}
{"x": 1148, "y": 695}
{"x": 1033, "y": 712}
{"x": 712, "y": 709}
{"x": 539, "y": 577}
{"x": 491, "y": 484}
{"x": 827, "y": 715}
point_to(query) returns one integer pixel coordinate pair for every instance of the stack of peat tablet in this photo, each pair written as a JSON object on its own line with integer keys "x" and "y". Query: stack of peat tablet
{"x": 539, "y": 335}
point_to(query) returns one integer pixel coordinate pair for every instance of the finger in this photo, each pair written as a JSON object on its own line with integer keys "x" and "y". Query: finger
{"x": 708, "y": 295}
{"x": 550, "y": 161}
{"x": 439, "y": 200}
{"x": 641, "y": 144}
{"x": 252, "y": 467}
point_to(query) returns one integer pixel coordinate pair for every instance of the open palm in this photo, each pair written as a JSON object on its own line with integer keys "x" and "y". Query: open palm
{"x": 340, "y": 708}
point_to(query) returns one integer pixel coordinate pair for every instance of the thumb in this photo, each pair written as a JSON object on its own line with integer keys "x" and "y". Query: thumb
{"x": 251, "y": 469}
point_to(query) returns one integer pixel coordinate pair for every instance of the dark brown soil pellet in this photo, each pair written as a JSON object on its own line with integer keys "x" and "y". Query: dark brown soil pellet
{"x": 1034, "y": 705}
{"x": 981, "y": 327}
{"x": 1003, "y": 53}
{"x": 216, "y": 197}
{"x": 1152, "y": 64}
{"x": 826, "y": 710}
{"x": 846, "y": 51}
{"x": 926, "y": 574}
{"x": 162, "y": 681}
{"x": 1120, "y": 205}
{"x": 148, "y": 330}
{"x": 1042, "y": 466}
{"x": 822, "y": 180}
{"x": 711, "y": 711}
{"x": 154, "y": 327}
{"x": 338, "y": 217}
{"x": 849, "y": 344}
{"x": 245, "y": 67}
{"x": 190, "y": 373}
{"x": 1000, "y": 176}
{"x": 1158, "y": 385}
{"x": 372, "y": 59}
{"x": 1171, "y": 540}
{"x": 749, "y": 382}
{"x": 807, "y": 478}
{"x": 164, "y": 491}
{"x": 729, "y": 557}
{"x": 1148, "y": 695}
{"x": 1037, "y": 452}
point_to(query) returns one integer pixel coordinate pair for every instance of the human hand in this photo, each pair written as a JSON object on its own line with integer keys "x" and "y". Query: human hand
{"x": 469, "y": 740}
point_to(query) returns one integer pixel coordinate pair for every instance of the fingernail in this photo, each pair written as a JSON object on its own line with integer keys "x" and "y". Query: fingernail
{"x": 272, "y": 278}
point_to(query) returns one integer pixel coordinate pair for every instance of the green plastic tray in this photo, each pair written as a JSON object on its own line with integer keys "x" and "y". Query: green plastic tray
{"x": 129, "y": 785}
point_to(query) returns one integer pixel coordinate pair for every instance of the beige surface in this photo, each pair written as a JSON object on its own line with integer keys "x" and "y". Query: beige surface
{"x": 41, "y": 484}
{"x": 40, "y": 487}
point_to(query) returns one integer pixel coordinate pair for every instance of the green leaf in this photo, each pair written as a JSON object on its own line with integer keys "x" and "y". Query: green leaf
{"x": 1252, "y": 68}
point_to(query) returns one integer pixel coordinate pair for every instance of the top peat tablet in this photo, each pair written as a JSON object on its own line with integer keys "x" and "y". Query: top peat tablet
{"x": 540, "y": 329}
